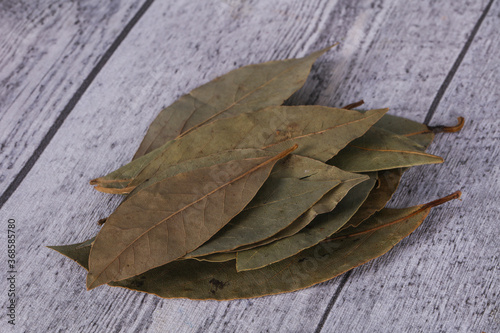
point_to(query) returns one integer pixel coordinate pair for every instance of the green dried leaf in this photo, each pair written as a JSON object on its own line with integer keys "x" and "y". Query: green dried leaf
{"x": 243, "y": 90}
{"x": 320, "y": 263}
{"x": 295, "y": 184}
{"x": 319, "y": 131}
{"x": 322, "y": 227}
{"x": 415, "y": 131}
{"x": 325, "y": 205}
{"x": 247, "y": 89}
{"x": 116, "y": 182}
{"x": 220, "y": 281}
{"x": 168, "y": 219}
{"x": 379, "y": 149}
{"x": 78, "y": 252}
{"x": 199, "y": 163}
{"x": 388, "y": 180}
{"x": 387, "y": 183}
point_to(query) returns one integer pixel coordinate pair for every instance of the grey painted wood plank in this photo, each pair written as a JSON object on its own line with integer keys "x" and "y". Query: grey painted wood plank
{"x": 154, "y": 67}
{"x": 174, "y": 48}
{"x": 445, "y": 276}
{"x": 392, "y": 54}
{"x": 47, "y": 49}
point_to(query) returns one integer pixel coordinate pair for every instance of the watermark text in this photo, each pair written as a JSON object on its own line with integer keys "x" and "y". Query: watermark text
{"x": 11, "y": 271}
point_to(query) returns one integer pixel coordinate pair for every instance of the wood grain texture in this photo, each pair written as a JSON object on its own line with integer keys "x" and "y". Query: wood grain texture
{"x": 47, "y": 49}
{"x": 392, "y": 54}
{"x": 444, "y": 277}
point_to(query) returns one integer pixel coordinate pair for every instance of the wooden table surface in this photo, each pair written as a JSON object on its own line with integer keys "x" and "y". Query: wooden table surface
{"x": 82, "y": 80}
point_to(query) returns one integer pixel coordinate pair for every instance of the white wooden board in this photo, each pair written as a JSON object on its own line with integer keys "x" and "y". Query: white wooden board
{"x": 391, "y": 54}
{"x": 48, "y": 53}
{"x": 444, "y": 277}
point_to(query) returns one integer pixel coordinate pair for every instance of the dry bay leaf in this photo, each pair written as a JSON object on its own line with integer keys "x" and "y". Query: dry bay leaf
{"x": 417, "y": 132}
{"x": 78, "y": 252}
{"x": 173, "y": 217}
{"x": 116, "y": 182}
{"x": 246, "y": 89}
{"x": 325, "y": 205}
{"x": 220, "y": 281}
{"x": 295, "y": 184}
{"x": 319, "y": 131}
{"x": 379, "y": 149}
{"x": 387, "y": 183}
{"x": 389, "y": 179}
{"x": 320, "y": 228}
{"x": 198, "y": 163}
{"x": 273, "y": 209}
{"x": 272, "y": 129}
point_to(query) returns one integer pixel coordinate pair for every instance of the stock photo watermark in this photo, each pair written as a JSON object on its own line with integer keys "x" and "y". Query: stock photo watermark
{"x": 11, "y": 272}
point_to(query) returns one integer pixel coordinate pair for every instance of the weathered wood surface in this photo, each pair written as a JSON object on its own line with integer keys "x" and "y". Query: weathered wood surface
{"x": 444, "y": 277}
{"x": 48, "y": 51}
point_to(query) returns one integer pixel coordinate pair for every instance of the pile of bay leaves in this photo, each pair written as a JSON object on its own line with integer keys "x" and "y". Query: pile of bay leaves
{"x": 232, "y": 194}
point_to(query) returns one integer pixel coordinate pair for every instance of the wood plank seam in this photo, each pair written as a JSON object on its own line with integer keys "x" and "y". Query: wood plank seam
{"x": 71, "y": 104}
{"x": 430, "y": 113}
{"x": 456, "y": 65}
{"x": 332, "y": 301}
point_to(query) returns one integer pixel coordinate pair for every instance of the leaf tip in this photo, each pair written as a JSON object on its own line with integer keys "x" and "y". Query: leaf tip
{"x": 319, "y": 53}
{"x": 332, "y": 46}
{"x": 92, "y": 282}
{"x": 378, "y": 112}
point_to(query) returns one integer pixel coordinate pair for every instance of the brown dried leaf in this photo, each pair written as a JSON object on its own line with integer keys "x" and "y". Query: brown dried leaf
{"x": 166, "y": 220}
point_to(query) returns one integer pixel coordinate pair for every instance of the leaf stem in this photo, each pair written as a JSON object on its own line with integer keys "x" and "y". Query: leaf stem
{"x": 437, "y": 202}
{"x": 455, "y": 195}
{"x": 449, "y": 129}
{"x": 353, "y": 105}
